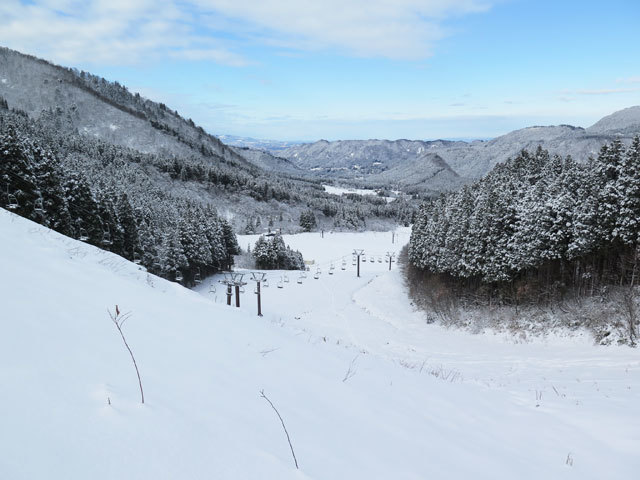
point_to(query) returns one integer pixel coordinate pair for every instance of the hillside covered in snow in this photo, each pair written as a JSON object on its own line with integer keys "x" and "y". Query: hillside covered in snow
{"x": 365, "y": 388}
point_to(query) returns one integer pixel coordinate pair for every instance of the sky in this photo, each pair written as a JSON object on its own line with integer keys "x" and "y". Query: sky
{"x": 304, "y": 70}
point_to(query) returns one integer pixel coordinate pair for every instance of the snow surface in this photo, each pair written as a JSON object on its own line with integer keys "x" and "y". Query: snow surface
{"x": 365, "y": 387}
{"x": 358, "y": 191}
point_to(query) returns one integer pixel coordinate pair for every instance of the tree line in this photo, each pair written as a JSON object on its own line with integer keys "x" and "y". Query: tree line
{"x": 176, "y": 239}
{"x": 536, "y": 227}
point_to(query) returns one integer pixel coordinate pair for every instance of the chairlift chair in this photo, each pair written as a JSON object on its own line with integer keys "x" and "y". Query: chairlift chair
{"x": 316, "y": 276}
{"x": 372, "y": 260}
{"x": 265, "y": 283}
{"x": 106, "y": 237}
{"x": 197, "y": 278}
{"x": 299, "y": 281}
{"x": 303, "y": 274}
{"x": 83, "y": 237}
{"x": 331, "y": 269}
{"x": 12, "y": 201}
{"x": 39, "y": 205}
{"x": 364, "y": 258}
{"x": 286, "y": 279}
{"x": 280, "y": 284}
{"x": 379, "y": 259}
{"x": 242, "y": 289}
{"x": 212, "y": 288}
{"x": 179, "y": 277}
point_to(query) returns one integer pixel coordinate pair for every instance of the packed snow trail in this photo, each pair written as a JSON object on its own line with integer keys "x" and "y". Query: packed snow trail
{"x": 71, "y": 408}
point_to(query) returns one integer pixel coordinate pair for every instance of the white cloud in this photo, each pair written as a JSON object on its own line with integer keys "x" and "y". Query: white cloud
{"x": 607, "y": 91}
{"x": 128, "y": 31}
{"x": 376, "y": 28}
{"x": 107, "y": 31}
{"x": 628, "y": 80}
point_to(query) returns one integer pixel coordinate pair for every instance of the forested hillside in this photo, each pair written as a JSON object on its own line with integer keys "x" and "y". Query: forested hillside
{"x": 118, "y": 210}
{"x": 88, "y": 121}
{"x": 536, "y": 229}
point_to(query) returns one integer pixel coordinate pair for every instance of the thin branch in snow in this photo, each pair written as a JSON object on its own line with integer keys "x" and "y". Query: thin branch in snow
{"x": 118, "y": 320}
{"x": 295, "y": 460}
{"x": 351, "y": 370}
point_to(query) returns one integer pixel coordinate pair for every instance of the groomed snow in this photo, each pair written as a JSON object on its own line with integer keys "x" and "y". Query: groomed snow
{"x": 366, "y": 388}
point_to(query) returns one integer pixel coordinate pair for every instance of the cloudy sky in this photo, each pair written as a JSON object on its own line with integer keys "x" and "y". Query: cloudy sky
{"x": 350, "y": 69}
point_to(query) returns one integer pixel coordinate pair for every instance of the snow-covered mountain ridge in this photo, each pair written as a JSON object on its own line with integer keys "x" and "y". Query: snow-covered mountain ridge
{"x": 405, "y": 161}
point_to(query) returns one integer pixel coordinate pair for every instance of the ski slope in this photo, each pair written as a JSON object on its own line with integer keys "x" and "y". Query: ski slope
{"x": 366, "y": 389}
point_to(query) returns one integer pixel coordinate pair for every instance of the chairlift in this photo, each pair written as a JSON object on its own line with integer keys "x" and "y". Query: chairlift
{"x": 83, "y": 237}
{"x": 280, "y": 284}
{"x": 12, "y": 200}
{"x": 316, "y": 276}
{"x": 331, "y": 269}
{"x": 303, "y": 274}
{"x": 265, "y": 283}
{"x": 212, "y": 288}
{"x": 286, "y": 279}
{"x": 299, "y": 280}
{"x": 197, "y": 278}
{"x": 106, "y": 237}
{"x": 136, "y": 259}
{"x": 364, "y": 258}
{"x": 39, "y": 205}
{"x": 179, "y": 276}
{"x": 379, "y": 259}
{"x": 242, "y": 289}
{"x": 318, "y": 270}
{"x": 344, "y": 265}
{"x": 372, "y": 260}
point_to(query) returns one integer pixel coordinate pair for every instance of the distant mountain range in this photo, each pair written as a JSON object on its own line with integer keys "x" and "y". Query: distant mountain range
{"x": 440, "y": 165}
{"x": 248, "y": 142}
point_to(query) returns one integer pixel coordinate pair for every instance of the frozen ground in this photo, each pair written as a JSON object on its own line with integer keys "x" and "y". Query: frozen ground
{"x": 358, "y": 191}
{"x": 366, "y": 388}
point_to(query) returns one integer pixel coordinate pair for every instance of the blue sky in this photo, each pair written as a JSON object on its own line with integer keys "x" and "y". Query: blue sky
{"x": 305, "y": 70}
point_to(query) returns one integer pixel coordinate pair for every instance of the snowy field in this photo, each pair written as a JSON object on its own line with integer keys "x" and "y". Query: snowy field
{"x": 358, "y": 191}
{"x": 366, "y": 388}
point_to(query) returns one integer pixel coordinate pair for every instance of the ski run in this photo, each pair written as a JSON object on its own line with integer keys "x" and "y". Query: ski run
{"x": 364, "y": 386}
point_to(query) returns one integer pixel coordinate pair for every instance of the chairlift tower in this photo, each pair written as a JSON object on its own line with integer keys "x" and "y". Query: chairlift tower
{"x": 358, "y": 252}
{"x": 258, "y": 277}
{"x": 390, "y": 256}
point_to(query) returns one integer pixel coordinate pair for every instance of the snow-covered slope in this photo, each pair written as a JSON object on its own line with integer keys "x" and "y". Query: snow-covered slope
{"x": 623, "y": 122}
{"x": 203, "y": 365}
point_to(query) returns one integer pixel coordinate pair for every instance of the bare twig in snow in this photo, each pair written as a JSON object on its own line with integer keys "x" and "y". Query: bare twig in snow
{"x": 264, "y": 353}
{"x": 118, "y": 320}
{"x": 352, "y": 370}
{"x": 295, "y": 460}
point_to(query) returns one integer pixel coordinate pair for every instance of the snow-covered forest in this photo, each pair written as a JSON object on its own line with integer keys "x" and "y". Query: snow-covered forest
{"x": 536, "y": 229}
